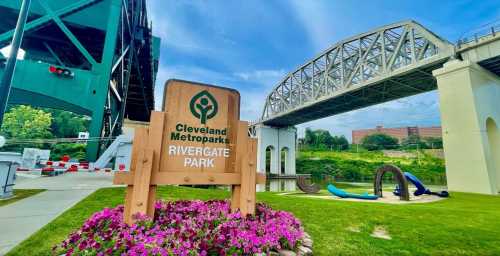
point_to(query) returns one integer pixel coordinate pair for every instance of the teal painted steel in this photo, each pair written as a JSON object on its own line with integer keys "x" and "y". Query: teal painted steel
{"x": 6, "y": 81}
{"x": 35, "y": 78}
{"x": 108, "y": 46}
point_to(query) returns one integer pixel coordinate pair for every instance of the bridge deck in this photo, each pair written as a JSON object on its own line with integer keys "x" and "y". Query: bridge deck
{"x": 412, "y": 83}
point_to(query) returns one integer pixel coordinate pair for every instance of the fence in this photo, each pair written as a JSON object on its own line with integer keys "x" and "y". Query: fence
{"x": 475, "y": 35}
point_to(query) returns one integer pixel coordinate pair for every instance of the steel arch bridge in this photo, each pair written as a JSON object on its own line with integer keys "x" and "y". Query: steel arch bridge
{"x": 106, "y": 44}
{"x": 385, "y": 64}
{"x": 388, "y": 63}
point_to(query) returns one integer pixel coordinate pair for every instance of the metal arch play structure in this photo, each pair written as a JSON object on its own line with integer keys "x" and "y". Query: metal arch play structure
{"x": 306, "y": 186}
{"x": 400, "y": 178}
{"x": 393, "y": 62}
{"x": 107, "y": 49}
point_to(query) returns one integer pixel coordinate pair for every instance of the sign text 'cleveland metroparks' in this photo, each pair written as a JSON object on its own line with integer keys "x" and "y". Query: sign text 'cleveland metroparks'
{"x": 198, "y": 156}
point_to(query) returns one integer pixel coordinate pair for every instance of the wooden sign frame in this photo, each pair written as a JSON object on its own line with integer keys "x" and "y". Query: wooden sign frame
{"x": 145, "y": 172}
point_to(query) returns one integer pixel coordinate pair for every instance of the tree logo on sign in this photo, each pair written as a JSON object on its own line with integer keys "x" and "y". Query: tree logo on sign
{"x": 203, "y": 106}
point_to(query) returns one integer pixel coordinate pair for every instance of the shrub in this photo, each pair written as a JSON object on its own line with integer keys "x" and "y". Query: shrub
{"x": 74, "y": 150}
{"x": 321, "y": 140}
{"x": 379, "y": 141}
{"x": 413, "y": 142}
{"x": 185, "y": 228}
{"x": 360, "y": 167}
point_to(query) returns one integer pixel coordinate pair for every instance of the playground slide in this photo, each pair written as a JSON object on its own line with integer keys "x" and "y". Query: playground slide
{"x": 343, "y": 194}
{"x": 421, "y": 189}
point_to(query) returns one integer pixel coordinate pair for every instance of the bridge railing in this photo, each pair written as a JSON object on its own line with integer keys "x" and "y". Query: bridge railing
{"x": 490, "y": 29}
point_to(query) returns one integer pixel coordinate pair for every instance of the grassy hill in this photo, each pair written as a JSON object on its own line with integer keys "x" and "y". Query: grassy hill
{"x": 360, "y": 167}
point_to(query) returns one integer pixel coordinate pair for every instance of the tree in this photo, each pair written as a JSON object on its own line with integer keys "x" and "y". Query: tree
{"x": 25, "y": 122}
{"x": 379, "y": 141}
{"x": 67, "y": 124}
{"x": 340, "y": 142}
{"x": 323, "y": 139}
{"x": 310, "y": 137}
{"x": 74, "y": 150}
{"x": 413, "y": 142}
{"x": 434, "y": 142}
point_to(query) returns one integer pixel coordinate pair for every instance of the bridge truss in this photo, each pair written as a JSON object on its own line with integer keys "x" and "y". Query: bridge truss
{"x": 108, "y": 47}
{"x": 388, "y": 63}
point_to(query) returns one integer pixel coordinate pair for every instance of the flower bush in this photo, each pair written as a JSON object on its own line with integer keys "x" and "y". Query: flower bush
{"x": 185, "y": 228}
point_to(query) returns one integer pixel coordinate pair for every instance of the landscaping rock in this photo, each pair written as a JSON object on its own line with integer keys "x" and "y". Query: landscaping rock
{"x": 286, "y": 253}
{"x": 272, "y": 253}
{"x": 307, "y": 242}
{"x": 304, "y": 251}
{"x": 306, "y": 235}
{"x": 306, "y": 245}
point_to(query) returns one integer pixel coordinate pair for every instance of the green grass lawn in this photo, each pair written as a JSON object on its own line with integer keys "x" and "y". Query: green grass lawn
{"x": 465, "y": 224}
{"x": 20, "y": 194}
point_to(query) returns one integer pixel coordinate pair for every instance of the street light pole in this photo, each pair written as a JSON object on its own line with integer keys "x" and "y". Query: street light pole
{"x": 11, "y": 60}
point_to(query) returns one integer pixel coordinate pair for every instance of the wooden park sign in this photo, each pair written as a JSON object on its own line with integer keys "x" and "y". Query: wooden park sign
{"x": 198, "y": 139}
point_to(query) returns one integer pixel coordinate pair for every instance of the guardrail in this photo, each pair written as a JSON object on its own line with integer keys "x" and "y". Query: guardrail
{"x": 490, "y": 29}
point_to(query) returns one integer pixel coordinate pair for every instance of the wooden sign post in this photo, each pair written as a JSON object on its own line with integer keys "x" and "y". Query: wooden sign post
{"x": 198, "y": 139}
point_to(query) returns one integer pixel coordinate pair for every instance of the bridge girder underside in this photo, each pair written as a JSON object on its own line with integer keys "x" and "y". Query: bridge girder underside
{"x": 107, "y": 44}
{"x": 389, "y": 63}
{"x": 388, "y": 90}
{"x": 491, "y": 64}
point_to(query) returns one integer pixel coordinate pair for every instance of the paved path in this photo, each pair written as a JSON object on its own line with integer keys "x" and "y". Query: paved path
{"x": 21, "y": 219}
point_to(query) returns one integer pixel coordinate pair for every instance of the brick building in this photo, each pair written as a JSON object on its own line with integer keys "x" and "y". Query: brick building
{"x": 399, "y": 133}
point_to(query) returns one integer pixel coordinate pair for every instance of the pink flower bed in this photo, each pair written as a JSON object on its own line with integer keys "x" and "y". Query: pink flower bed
{"x": 185, "y": 228}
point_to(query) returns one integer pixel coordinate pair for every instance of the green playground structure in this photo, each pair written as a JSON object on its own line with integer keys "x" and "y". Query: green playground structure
{"x": 343, "y": 194}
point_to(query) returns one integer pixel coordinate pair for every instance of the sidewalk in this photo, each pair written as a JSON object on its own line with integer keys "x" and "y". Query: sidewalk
{"x": 21, "y": 219}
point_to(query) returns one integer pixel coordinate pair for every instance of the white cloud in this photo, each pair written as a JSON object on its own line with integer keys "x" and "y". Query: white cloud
{"x": 266, "y": 78}
{"x": 252, "y": 97}
{"x": 170, "y": 23}
{"x": 167, "y": 28}
{"x": 189, "y": 73}
{"x": 317, "y": 21}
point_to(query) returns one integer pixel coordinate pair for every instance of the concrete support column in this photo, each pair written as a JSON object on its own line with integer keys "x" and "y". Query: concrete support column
{"x": 470, "y": 115}
{"x": 276, "y": 139}
{"x": 287, "y": 143}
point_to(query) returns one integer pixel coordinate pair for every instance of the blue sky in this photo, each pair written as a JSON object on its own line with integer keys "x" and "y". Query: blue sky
{"x": 251, "y": 45}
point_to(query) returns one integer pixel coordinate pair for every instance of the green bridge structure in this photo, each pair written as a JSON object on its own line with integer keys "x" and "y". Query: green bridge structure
{"x": 107, "y": 51}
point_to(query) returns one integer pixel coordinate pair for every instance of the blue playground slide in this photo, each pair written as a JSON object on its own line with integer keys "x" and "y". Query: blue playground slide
{"x": 421, "y": 189}
{"x": 343, "y": 194}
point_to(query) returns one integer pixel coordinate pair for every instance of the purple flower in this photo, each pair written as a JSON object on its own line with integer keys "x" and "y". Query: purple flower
{"x": 185, "y": 228}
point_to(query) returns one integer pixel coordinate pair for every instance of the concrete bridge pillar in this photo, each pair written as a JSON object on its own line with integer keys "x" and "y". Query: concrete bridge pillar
{"x": 470, "y": 115}
{"x": 280, "y": 146}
